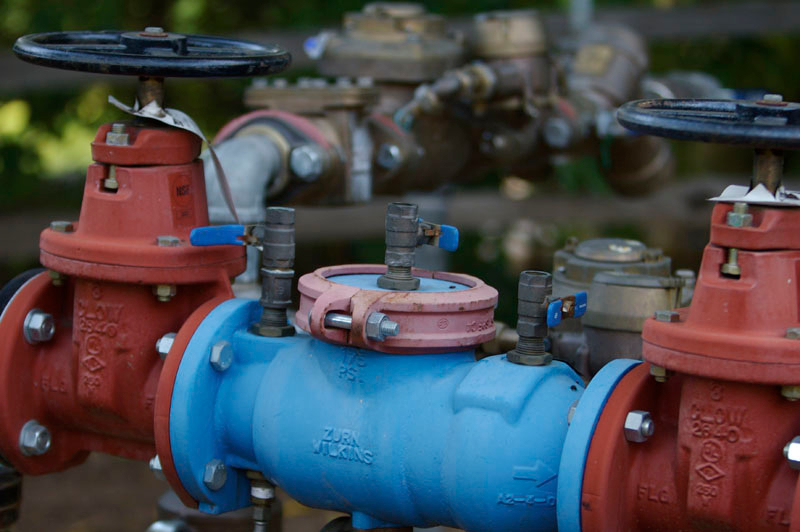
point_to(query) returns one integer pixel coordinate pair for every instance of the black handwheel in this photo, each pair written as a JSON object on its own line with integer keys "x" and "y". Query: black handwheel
{"x": 762, "y": 124}
{"x": 151, "y": 53}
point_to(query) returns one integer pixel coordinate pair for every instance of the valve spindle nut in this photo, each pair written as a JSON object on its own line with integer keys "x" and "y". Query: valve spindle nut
{"x": 221, "y": 356}
{"x": 38, "y": 327}
{"x": 164, "y": 344}
{"x": 379, "y": 326}
{"x": 215, "y": 475}
{"x": 792, "y": 452}
{"x": 402, "y": 226}
{"x": 639, "y": 426}
{"x": 156, "y": 469}
{"x": 34, "y": 439}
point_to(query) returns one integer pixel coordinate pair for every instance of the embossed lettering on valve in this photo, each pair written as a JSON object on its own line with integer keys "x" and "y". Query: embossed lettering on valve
{"x": 342, "y": 444}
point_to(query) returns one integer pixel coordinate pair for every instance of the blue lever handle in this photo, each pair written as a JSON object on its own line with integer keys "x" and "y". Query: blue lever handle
{"x": 218, "y": 235}
{"x": 581, "y": 302}
{"x": 554, "y": 313}
{"x": 448, "y": 240}
{"x": 555, "y": 310}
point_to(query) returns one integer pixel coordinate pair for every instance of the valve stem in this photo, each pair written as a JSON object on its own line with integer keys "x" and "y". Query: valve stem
{"x": 535, "y": 289}
{"x": 277, "y": 261}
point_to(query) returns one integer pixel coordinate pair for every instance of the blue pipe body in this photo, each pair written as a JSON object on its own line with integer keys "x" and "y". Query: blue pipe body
{"x": 395, "y": 440}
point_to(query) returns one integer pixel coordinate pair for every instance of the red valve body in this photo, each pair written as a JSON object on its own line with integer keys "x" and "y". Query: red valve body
{"x": 715, "y": 461}
{"x": 94, "y": 384}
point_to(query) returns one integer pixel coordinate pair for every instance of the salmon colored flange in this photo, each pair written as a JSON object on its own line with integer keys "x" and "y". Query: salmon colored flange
{"x": 773, "y": 228}
{"x": 147, "y": 146}
{"x": 164, "y": 397}
{"x": 429, "y": 322}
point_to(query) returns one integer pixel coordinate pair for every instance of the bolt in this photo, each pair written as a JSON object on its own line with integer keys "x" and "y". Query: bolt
{"x": 34, "y": 439}
{"x": 571, "y": 412}
{"x": 215, "y": 475}
{"x": 110, "y": 182}
{"x": 153, "y": 29}
{"x": 61, "y": 226}
{"x": 155, "y": 468}
{"x": 793, "y": 333}
{"x": 660, "y": 374}
{"x": 731, "y": 268}
{"x": 56, "y": 277}
{"x": 173, "y": 525}
{"x": 307, "y": 162}
{"x": 639, "y": 426}
{"x": 379, "y": 326}
{"x": 773, "y": 98}
{"x": 165, "y": 292}
{"x": 738, "y": 216}
{"x": 790, "y": 393}
{"x": 117, "y": 136}
{"x": 221, "y": 356}
{"x": 389, "y": 156}
{"x": 38, "y": 327}
{"x": 164, "y": 344}
{"x": 791, "y": 452}
{"x": 669, "y": 316}
{"x": 557, "y": 132}
{"x": 168, "y": 241}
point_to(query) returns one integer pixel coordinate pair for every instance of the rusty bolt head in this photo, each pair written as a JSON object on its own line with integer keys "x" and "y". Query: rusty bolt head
{"x": 156, "y": 469}
{"x": 165, "y": 292}
{"x": 38, "y": 327}
{"x": 34, "y": 439}
{"x": 221, "y": 356}
{"x": 669, "y": 316}
{"x": 639, "y": 426}
{"x": 164, "y": 344}
{"x": 215, "y": 475}
{"x": 792, "y": 452}
{"x": 62, "y": 226}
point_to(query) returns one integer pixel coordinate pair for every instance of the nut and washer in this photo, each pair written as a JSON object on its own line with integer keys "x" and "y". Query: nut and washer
{"x": 165, "y": 292}
{"x": 62, "y": 226}
{"x": 791, "y": 452}
{"x": 221, "y": 356}
{"x": 117, "y": 136}
{"x": 164, "y": 344}
{"x": 215, "y": 475}
{"x": 639, "y": 426}
{"x": 738, "y": 216}
{"x": 156, "y": 469}
{"x": 38, "y": 327}
{"x": 379, "y": 326}
{"x": 34, "y": 439}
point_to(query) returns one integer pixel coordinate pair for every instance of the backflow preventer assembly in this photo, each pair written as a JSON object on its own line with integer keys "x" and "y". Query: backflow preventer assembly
{"x": 370, "y": 399}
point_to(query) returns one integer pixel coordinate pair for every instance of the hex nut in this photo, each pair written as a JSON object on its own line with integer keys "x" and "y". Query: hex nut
{"x": 791, "y": 392}
{"x": 736, "y": 219}
{"x": 164, "y": 344}
{"x": 389, "y": 156}
{"x": 38, "y": 327}
{"x": 307, "y": 162}
{"x": 172, "y": 525}
{"x": 669, "y": 316}
{"x": 639, "y": 426}
{"x": 379, "y": 326}
{"x": 61, "y": 226}
{"x": 221, "y": 356}
{"x": 34, "y": 439}
{"x": 117, "y": 136}
{"x": 791, "y": 452}
{"x": 659, "y": 373}
{"x": 215, "y": 475}
{"x": 168, "y": 241}
{"x": 165, "y": 292}
{"x": 793, "y": 333}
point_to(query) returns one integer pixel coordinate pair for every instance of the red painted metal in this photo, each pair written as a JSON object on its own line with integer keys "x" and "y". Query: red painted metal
{"x": 94, "y": 384}
{"x": 429, "y": 321}
{"x": 715, "y": 461}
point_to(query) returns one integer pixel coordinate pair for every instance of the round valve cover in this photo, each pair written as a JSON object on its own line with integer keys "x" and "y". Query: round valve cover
{"x": 450, "y": 312}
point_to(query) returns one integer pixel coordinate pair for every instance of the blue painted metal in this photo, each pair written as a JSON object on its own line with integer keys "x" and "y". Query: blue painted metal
{"x": 369, "y": 281}
{"x": 409, "y": 440}
{"x": 579, "y": 437}
{"x": 217, "y": 235}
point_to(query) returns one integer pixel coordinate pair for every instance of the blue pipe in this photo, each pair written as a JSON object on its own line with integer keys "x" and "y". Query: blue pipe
{"x": 395, "y": 440}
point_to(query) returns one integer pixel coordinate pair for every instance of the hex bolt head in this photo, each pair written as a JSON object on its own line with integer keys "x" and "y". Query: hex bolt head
{"x": 793, "y": 333}
{"x": 773, "y": 98}
{"x": 215, "y": 475}
{"x": 639, "y": 426}
{"x": 669, "y": 316}
{"x": 117, "y": 136}
{"x": 307, "y": 162}
{"x": 791, "y": 451}
{"x": 168, "y": 241}
{"x": 379, "y": 326}
{"x": 221, "y": 356}
{"x": 34, "y": 439}
{"x": 738, "y": 216}
{"x": 164, "y": 344}
{"x": 165, "y": 292}
{"x": 659, "y": 373}
{"x": 790, "y": 393}
{"x": 38, "y": 327}
{"x": 558, "y": 132}
{"x": 172, "y": 525}
{"x": 154, "y": 29}
{"x": 62, "y": 226}
{"x": 389, "y": 156}
{"x": 156, "y": 469}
